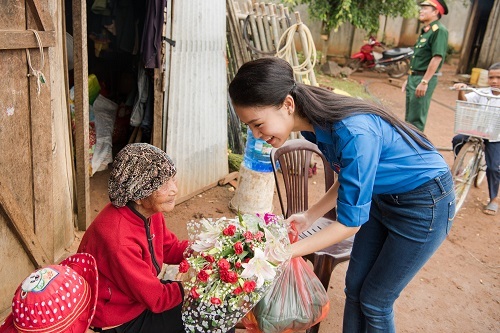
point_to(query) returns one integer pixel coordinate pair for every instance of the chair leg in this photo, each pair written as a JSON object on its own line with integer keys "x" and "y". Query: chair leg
{"x": 323, "y": 268}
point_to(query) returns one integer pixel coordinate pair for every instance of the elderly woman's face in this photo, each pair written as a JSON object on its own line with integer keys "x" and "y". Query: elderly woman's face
{"x": 161, "y": 200}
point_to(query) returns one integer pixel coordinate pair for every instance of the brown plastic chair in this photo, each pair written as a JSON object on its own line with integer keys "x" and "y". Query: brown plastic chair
{"x": 294, "y": 159}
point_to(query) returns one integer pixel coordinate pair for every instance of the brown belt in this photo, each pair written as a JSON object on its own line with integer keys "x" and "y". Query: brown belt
{"x": 422, "y": 73}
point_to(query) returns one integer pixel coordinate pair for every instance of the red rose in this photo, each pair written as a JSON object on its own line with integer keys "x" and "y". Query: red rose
{"x": 230, "y": 230}
{"x": 238, "y": 248}
{"x": 249, "y": 286}
{"x": 248, "y": 235}
{"x": 188, "y": 252}
{"x": 209, "y": 258}
{"x": 258, "y": 235}
{"x": 183, "y": 266}
{"x": 203, "y": 275}
{"x": 237, "y": 264}
{"x": 194, "y": 294}
{"x": 238, "y": 291}
{"x": 223, "y": 264}
{"x": 229, "y": 276}
{"x": 215, "y": 300}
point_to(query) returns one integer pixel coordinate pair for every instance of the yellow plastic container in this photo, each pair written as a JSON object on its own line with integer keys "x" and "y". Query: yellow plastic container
{"x": 482, "y": 81}
{"x": 474, "y": 76}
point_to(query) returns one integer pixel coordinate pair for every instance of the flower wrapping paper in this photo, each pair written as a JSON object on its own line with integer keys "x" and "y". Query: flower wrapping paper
{"x": 228, "y": 267}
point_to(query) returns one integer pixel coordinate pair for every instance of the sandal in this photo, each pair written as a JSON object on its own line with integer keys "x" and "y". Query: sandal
{"x": 491, "y": 208}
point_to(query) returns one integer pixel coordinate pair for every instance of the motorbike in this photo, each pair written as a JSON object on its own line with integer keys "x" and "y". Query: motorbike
{"x": 373, "y": 55}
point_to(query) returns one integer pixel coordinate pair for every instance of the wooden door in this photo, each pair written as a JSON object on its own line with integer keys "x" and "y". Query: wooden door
{"x": 26, "y": 204}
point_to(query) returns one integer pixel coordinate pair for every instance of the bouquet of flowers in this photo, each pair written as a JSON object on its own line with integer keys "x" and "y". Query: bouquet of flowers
{"x": 229, "y": 266}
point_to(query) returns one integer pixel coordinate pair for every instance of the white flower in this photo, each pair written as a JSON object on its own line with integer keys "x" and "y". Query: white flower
{"x": 252, "y": 222}
{"x": 258, "y": 267}
{"x": 275, "y": 250}
{"x": 207, "y": 238}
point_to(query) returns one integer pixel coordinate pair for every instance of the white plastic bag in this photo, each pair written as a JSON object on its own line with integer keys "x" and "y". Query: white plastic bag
{"x": 105, "y": 114}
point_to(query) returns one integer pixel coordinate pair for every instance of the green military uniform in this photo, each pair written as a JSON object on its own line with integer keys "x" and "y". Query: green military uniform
{"x": 430, "y": 43}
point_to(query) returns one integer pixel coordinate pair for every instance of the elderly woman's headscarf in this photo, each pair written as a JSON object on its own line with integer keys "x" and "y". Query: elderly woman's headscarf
{"x": 139, "y": 169}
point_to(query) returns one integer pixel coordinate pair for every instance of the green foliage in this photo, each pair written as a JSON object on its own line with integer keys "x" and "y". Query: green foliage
{"x": 301, "y": 58}
{"x": 362, "y": 14}
{"x": 234, "y": 161}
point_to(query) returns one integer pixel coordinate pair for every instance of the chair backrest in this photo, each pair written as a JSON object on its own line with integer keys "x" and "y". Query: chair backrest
{"x": 294, "y": 158}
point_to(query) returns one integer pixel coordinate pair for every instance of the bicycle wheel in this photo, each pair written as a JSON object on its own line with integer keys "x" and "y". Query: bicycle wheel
{"x": 481, "y": 172}
{"x": 464, "y": 170}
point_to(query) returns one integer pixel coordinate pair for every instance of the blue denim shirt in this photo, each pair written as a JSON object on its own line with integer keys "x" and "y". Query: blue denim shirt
{"x": 372, "y": 157}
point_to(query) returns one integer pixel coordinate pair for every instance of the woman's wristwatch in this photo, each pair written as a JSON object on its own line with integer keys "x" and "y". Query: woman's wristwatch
{"x": 424, "y": 82}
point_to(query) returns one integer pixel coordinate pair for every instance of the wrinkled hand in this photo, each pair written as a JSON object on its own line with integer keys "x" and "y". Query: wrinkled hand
{"x": 299, "y": 221}
{"x": 403, "y": 87}
{"x": 458, "y": 86}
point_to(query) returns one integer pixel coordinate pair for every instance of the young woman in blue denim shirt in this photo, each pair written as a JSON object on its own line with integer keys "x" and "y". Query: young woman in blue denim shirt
{"x": 394, "y": 190}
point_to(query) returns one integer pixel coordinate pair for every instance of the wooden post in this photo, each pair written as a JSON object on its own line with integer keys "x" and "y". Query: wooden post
{"x": 242, "y": 55}
{"x": 260, "y": 29}
{"x": 274, "y": 27}
{"x": 156, "y": 135}
{"x": 267, "y": 29}
{"x": 81, "y": 113}
{"x": 41, "y": 142}
{"x": 255, "y": 31}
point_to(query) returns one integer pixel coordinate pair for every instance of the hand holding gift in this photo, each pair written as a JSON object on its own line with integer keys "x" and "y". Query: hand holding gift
{"x": 229, "y": 266}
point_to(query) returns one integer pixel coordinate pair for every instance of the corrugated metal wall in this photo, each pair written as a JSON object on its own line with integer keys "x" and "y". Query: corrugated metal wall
{"x": 195, "y": 118}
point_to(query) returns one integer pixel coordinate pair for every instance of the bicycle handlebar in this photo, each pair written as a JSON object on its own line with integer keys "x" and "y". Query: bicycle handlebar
{"x": 477, "y": 91}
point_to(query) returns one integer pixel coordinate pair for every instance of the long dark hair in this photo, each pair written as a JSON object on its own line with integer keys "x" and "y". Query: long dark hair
{"x": 267, "y": 82}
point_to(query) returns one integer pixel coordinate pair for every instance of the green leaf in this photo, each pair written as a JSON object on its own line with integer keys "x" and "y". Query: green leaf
{"x": 363, "y": 14}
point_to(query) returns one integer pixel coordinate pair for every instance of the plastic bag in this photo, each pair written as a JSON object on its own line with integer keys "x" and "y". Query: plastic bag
{"x": 296, "y": 302}
{"x": 105, "y": 114}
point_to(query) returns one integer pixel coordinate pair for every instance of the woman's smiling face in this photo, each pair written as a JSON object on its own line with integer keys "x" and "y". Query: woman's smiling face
{"x": 269, "y": 123}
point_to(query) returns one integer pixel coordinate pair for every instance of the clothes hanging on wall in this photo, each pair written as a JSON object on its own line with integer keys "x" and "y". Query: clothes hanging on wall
{"x": 152, "y": 34}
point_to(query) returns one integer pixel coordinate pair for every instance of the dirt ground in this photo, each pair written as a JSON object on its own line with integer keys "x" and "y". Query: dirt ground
{"x": 457, "y": 290}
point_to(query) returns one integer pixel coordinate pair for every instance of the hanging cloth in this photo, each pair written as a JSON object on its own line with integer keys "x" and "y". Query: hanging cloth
{"x": 152, "y": 34}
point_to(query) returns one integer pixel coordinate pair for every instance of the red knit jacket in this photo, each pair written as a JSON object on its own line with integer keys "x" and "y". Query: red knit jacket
{"x": 128, "y": 282}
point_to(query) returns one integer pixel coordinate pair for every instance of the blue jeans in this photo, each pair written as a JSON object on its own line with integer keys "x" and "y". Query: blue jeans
{"x": 403, "y": 232}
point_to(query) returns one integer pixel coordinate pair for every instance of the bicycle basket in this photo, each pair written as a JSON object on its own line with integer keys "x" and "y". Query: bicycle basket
{"x": 478, "y": 120}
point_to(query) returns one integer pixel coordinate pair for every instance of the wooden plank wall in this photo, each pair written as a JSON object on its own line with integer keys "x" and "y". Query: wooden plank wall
{"x": 26, "y": 203}
{"x": 15, "y": 148}
{"x": 81, "y": 113}
{"x": 41, "y": 138}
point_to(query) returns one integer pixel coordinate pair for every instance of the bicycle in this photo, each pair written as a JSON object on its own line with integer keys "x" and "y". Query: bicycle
{"x": 478, "y": 122}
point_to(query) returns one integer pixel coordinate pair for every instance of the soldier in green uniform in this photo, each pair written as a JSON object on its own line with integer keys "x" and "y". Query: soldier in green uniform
{"x": 430, "y": 51}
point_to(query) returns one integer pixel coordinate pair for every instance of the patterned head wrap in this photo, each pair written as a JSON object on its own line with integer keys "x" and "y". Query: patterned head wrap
{"x": 139, "y": 169}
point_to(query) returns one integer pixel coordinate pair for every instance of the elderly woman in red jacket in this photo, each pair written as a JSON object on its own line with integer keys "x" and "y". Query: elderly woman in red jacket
{"x": 130, "y": 241}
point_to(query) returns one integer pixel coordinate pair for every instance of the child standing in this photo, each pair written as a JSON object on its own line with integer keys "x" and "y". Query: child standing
{"x": 491, "y": 147}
